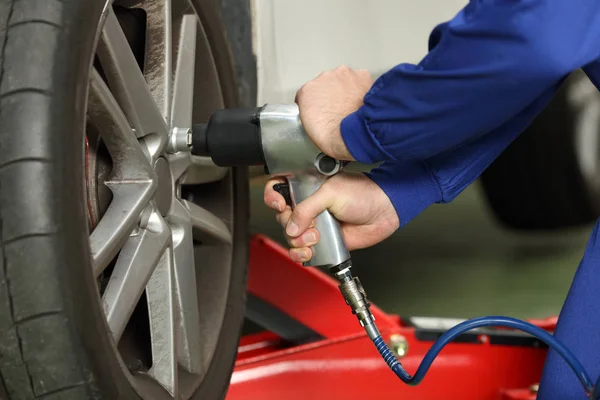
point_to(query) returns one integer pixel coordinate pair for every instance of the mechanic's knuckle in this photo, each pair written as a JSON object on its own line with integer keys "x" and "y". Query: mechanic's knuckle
{"x": 309, "y": 85}
{"x": 295, "y": 242}
{"x": 301, "y": 213}
{"x": 329, "y": 189}
{"x": 304, "y": 89}
{"x": 298, "y": 214}
{"x": 290, "y": 241}
{"x": 269, "y": 198}
{"x": 285, "y": 216}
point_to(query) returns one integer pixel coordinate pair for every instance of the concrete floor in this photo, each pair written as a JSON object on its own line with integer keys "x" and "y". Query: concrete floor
{"x": 455, "y": 261}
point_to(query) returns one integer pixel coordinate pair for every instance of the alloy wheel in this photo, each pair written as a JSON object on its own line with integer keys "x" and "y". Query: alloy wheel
{"x": 160, "y": 218}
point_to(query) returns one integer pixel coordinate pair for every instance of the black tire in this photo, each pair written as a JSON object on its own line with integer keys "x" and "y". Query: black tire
{"x": 53, "y": 335}
{"x": 538, "y": 183}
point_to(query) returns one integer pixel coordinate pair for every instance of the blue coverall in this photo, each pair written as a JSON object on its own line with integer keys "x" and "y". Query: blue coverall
{"x": 438, "y": 124}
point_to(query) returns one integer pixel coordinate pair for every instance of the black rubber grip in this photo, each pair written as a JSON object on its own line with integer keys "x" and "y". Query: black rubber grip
{"x": 199, "y": 142}
{"x": 231, "y": 138}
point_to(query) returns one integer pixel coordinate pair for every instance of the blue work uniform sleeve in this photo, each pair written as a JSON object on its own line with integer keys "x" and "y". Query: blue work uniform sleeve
{"x": 489, "y": 72}
{"x": 411, "y": 187}
{"x": 414, "y": 185}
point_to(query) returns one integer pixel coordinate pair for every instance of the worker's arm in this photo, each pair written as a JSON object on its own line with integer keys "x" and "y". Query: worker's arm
{"x": 489, "y": 72}
{"x": 414, "y": 185}
{"x": 437, "y": 125}
{"x": 488, "y": 64}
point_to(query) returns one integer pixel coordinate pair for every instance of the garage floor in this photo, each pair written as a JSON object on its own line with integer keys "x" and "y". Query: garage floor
{"x": 454, "y": 261}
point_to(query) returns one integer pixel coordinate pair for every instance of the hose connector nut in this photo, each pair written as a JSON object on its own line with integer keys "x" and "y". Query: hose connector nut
{"x": 355, "y": 296}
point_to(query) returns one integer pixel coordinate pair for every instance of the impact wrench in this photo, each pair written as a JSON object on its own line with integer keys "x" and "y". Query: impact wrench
{"x": 273, "y": 136}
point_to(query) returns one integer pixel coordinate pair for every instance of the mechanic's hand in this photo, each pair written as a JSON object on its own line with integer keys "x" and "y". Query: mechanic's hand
{"x": 366, "y": 214}
{"x": 326, "y": 100}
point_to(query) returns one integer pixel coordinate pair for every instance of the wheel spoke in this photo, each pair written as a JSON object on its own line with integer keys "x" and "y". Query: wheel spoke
{"x": 180, "y": 163}
{"x": 194, "y": 170}
{"x": 183, "y": 91}
{"x": 207, "y": 227}
{"x": 158, "y": 67}
{"x": 160, "y": 293}
{"x": 189, "y": 352}
{"x": 122, "y": 216}
{"x": 133, "y": 181}
{"x": 203, "y": 170}
{"x": 127, "y": 82}
{"x": 136, "y": 263}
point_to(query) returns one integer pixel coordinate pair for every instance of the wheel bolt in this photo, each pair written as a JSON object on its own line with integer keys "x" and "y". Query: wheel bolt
{"x": 135, "y": 366}
{"x": 180, "y": 139}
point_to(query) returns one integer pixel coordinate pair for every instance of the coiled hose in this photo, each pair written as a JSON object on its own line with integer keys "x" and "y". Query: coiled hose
{"x": 356, "y": 297}
{"x": 592, "y": 391}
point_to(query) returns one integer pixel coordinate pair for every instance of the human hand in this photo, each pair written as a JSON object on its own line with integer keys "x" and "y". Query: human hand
{"x": 326, "y": 100}
{"x": 366, "y": 214}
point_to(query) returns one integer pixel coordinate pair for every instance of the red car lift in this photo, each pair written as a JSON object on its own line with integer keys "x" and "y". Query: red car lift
{"x": 314, "y": 348}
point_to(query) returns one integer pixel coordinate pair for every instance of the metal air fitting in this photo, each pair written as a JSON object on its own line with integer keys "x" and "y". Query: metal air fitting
{"x": 355, "y": 296}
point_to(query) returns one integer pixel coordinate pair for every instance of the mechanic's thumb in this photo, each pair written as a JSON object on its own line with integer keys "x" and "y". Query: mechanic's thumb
{"x": 306, "y": 211}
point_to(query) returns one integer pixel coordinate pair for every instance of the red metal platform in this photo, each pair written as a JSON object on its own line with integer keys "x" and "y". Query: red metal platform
{"x": 344, "y": 364}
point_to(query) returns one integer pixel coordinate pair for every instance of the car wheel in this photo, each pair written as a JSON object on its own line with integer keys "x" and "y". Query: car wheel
{"x": 549, "y": 177}
{"x": 124, "y": 258}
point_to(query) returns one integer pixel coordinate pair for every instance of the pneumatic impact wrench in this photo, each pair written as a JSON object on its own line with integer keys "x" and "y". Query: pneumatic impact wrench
{"x": 273, "y": 136}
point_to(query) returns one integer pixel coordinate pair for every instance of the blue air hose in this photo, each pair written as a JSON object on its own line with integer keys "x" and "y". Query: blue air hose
{"x": 356, "y": 297}
{"x": 591, "y": 390}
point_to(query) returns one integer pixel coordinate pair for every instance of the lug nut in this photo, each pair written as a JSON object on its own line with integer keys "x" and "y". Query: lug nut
{"x": 180, "y": 139}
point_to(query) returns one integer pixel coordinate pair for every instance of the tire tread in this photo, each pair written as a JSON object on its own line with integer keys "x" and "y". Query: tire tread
{"x": 26, "y": 91}
{"x": 34, "y": 21}
{"x": 26, "y": 354}
{"x": 536, "y": 183}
